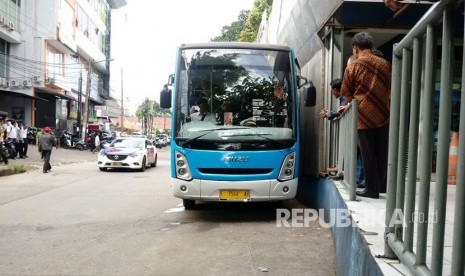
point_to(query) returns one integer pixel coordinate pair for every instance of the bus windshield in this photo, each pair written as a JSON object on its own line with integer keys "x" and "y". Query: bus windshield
{"x": 242, "y": 98}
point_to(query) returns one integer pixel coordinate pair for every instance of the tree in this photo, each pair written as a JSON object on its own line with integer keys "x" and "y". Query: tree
{"x": 147, "y": 111}
{"x": 232, "y": 32}
{"x": 252, "y": 24}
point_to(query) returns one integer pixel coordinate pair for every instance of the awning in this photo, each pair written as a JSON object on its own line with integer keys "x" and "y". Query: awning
{"x": 21, "y": 95}
{"x": 56, "y": 94}
{"x": 96, "y": 102}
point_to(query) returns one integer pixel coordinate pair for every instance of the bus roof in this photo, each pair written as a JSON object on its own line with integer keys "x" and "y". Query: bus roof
{"x": 235, "y": 45}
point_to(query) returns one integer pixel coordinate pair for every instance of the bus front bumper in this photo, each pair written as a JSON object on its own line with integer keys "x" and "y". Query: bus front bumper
{"x": 208, "y": 190}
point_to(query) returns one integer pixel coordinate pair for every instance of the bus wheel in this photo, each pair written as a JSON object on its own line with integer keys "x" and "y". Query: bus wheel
{"x": 189, "y": 204}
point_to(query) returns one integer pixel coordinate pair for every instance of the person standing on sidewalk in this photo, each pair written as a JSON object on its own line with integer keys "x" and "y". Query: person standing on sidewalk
{"x": 96, "y": 142}
{"x": 46, "y": 143}
{"x": 368, "y": 80}
{"x": 2, "y": 152}
{"x": 23, "y": 136}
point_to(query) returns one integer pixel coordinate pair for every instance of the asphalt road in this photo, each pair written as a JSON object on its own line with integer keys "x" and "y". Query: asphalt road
{"x": 77, "y": 220}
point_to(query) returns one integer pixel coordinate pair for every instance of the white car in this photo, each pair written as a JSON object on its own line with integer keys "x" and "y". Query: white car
{"x": 128, "y": 152}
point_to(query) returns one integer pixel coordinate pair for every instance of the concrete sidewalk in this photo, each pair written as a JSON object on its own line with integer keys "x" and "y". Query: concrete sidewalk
{"x": 59, "y": 157}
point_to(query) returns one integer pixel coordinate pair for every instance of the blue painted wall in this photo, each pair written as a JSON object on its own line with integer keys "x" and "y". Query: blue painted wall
{"x": 353, "y": 256}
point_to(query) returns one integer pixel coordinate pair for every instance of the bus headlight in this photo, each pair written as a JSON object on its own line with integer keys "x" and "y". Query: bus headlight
{"x": 287, "y": 168}
{"x": 182, "y": 168}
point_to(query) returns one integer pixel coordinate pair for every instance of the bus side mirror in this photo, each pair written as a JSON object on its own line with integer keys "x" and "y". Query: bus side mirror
{"x": 309, "y": 94}
{"x": 165, "y": 97}
{"x": 171, "y": 79}
{"x": 302, "y": 81}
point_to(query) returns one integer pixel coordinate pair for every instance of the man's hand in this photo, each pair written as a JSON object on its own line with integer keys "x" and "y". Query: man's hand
{"x": 324, "y": 113}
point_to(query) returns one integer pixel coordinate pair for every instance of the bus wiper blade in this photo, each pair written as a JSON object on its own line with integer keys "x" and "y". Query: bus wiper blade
{"x": 208, "y": 131}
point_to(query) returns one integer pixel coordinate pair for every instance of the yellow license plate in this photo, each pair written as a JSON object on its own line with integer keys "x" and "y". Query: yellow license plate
{"x": 116, "y": 164}
{"x": 242, "y": 195}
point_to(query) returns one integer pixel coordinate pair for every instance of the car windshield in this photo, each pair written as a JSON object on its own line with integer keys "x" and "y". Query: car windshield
{"x": 128, "y": 143}
{"x": 240, "y": 94}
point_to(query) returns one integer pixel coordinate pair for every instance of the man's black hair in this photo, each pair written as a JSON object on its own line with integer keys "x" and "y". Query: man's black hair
{"x": 336, "y": 84}
{"x": 363, "y": 41}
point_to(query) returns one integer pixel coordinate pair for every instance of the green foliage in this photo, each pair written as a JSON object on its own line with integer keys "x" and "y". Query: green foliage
{"x": 252, "y": 24}
{"x": 232, "y": 32}
{"x": 148, "y": 110}
{"x": 246, "y": 27}
{"x": 16, "y": 169}
{"x": 19, "y": 169}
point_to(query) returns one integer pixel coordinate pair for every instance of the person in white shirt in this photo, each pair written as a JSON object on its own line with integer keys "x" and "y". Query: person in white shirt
{"x": 24, "y": 143}
{"x": 203, "y": 114}
{"x": 97, "y": 142}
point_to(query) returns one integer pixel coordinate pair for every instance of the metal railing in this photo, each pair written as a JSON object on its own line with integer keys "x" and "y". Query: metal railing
{"x": 412, "y": 98}
{"x": 345, "y": 141}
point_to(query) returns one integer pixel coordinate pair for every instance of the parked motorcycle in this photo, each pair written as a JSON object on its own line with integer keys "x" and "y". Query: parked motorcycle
{"x": 32, "y": 134}
{"x": 9, "y": 149}
{"x": 68, "y": 141}
{"x": 65, "y": 140}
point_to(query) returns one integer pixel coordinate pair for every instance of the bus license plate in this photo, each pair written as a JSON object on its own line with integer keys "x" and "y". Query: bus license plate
{"x": 242, "y": 195}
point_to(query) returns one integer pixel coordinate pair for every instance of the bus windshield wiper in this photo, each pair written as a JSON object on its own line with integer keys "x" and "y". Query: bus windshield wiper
{"x": 208, "y": 131}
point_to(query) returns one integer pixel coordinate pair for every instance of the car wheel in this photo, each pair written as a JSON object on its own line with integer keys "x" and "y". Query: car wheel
{"x": 189, "y": 204}
{"x": 103, "y": 169}
{"x": 154, "y": 164}
{"x": 144, "y": 163}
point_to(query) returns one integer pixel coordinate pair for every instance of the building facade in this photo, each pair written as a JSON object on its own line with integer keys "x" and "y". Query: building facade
{"x": 53, "y": 53}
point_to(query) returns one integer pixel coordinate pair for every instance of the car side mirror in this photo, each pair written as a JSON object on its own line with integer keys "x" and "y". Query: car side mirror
{"x": 309, "y": 94}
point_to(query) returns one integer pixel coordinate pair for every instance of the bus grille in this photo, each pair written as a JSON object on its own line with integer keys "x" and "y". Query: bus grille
{"x": 235, "y": 171}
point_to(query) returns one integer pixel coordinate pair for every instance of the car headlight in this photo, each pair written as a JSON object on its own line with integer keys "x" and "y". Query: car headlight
{"x": 135, "y": 154}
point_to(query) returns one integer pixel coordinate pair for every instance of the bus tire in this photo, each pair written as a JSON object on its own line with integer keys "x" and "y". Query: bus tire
{"x": 189, "y": 204}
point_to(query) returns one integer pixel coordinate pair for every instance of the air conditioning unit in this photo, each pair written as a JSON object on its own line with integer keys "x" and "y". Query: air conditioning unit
{"x": 27, "y": 83}
{"x": 3, "y": 82}
{"x": 14, "y": 83}
{"x": 11, "y": 25}
{"x": 37, "y": 79}
{"x": 2, "y": 20}
{"x": 51, "y": 81}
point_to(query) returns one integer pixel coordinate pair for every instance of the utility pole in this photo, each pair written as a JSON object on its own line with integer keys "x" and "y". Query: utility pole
{"x": 86, "y": 104}
{"x": 122, "y": 102}
{"x": 79, "y": 107}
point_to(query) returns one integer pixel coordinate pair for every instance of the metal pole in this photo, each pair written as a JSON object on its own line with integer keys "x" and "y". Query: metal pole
{"x": 403, "y": 131}
{"x": 86, "y": 104}
{"x": 458, "y": 242}
{"x": 393, "y": 152}
{"x": 426, "y": 146}
{"x": 79, "y": 105}
{"x": 122, "y": 102}
{"x": 410, "y": 191}
{"x": 445, "y": 108}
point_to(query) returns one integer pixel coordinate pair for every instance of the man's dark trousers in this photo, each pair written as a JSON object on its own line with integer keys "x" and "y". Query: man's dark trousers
{"x": 373, "y": 145}
{"x": 47, "y": 165}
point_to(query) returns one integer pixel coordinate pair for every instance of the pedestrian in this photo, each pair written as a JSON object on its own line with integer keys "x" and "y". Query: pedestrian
{"x": 368, "y": 80}
{"x": 13, "y": 134}
{"x": 96, "y": 143}
{"x": 336, "y": 90}
{"x": 38, "y": 136}
{"x": 2, "y": 150}
{"x": 92, "y": 141}
{"x": 23, "y": 138}
{"x": 46, "y": 143}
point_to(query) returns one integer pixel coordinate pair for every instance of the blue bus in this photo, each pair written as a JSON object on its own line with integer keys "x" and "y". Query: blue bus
{"x": 235, "y": 122}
